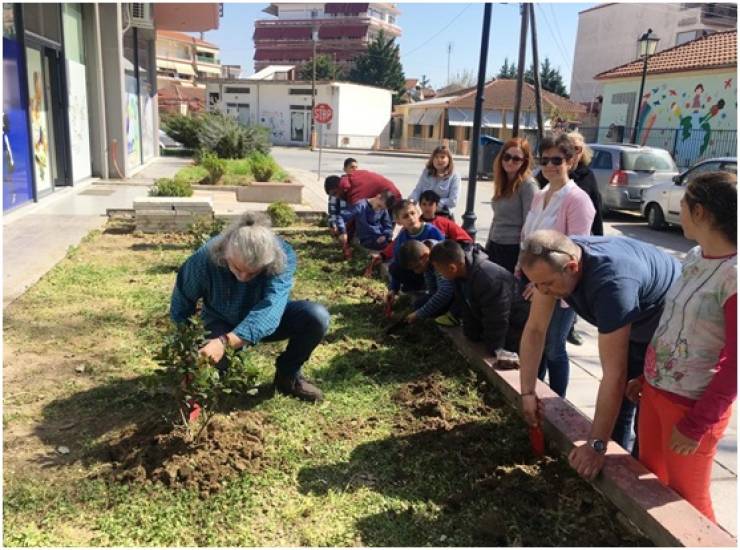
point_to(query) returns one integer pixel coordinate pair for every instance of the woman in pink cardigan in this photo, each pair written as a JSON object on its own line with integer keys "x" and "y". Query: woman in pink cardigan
{"x": 565, "y": 207}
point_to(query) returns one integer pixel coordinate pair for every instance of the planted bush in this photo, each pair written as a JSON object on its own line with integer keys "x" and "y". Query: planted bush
{"x": 228, "y": 139}
{"x": 183, "y": 128}
{"x": 168, "y": 187}
{"x": 204, "y": 229}
{"x": 263, "y": 166}
{"x": 281, "y": 214}
{"x": 215, "y": 166}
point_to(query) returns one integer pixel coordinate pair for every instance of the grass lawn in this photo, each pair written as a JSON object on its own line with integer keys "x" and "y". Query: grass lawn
{"x": 238, "y": 172}
{"x": 409, "y": 447}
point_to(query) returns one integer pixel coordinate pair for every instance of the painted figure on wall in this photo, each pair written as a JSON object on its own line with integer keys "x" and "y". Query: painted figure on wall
{"x": 38, "y": 124}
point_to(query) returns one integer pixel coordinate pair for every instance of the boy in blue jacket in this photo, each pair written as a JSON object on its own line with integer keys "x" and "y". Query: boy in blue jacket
{"x": 373, "y": 224}
{"x": 408, "y": 216}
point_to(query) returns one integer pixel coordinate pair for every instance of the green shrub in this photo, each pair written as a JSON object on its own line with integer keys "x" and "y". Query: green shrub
{"x": 281, "y": 214}
{"x": 228, "y": 139}
{"x": 183, "y": 128}
{"x": 167, "y": 187}
{"x": 193, "y": 174}
{"x": 263, "y": 166}
{"x": 204, "y": 229}
{"x": 239, "y": 167}
{"x": 216, "y": 167}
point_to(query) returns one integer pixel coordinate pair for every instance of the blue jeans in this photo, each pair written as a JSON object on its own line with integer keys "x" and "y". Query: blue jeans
{"x": 624, "y": 432}
{"x": 555, "y": 361}
{"x": 303, "y": 324}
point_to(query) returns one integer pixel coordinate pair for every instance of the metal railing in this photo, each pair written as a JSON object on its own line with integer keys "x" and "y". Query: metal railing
{"x": 419, "y": 145}
{"x": 687, "y": 147}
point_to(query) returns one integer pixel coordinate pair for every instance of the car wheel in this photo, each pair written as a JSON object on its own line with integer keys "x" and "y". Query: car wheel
{"x": 655, "y": 217}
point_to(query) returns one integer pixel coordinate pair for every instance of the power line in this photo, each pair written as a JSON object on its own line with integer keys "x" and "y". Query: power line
{"x": 435, "y": 35}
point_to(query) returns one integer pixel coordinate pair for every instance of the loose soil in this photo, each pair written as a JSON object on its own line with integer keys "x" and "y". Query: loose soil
{"x": 160, "y": 452}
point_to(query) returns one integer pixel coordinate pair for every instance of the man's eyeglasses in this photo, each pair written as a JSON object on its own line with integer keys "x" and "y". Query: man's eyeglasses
{"x": 539, "y": 250}
{"x": 506, "y": 157}
{"x": 556, "y": 161}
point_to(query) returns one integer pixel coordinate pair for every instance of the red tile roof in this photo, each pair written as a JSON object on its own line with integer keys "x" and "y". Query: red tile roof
{"x": 500, "y": 94}
{"x": 708, "y": 52}
{"x": 182, "y": 37}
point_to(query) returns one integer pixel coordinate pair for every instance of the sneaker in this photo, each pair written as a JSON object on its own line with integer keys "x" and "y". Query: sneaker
{"x": 447, "y": 320}
{"x": 298, "y": 387}
{"x": 575, "y": 338}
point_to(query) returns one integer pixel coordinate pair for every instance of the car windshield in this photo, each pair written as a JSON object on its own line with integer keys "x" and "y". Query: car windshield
{"x": 655, "y": 160}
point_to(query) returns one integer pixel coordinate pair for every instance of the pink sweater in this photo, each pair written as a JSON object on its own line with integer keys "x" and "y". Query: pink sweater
{"x": 575, "y": 215}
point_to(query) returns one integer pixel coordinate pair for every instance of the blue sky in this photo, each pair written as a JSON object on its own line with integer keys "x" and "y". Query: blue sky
{"x": 428, "y": 28}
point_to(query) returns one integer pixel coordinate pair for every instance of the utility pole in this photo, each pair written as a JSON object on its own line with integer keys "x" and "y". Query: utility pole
{"x": 314, "y": 33}
{"x": 469, "y": 217}
{"x": 536, "y": 75}
{"x": 524, "y": 9}
{"x": 449, "y": 53}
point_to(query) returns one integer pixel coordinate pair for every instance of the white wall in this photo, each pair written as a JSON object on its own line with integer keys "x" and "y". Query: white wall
{"x": 607, "y": 37}
{"x": 364, "y": 113}
{"x": 361, "y": 113}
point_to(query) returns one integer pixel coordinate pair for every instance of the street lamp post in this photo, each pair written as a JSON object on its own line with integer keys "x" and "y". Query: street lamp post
{"x": 648, "y": 42}
{"x": 314, "y": 38}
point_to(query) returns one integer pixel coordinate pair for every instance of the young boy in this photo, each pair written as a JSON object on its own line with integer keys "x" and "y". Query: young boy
{"x": 408, "y": 216}
{"x": 485, "y": 293}
{"x": 337, "y": 207}
{"x": 373, "y": 224}
{"x": 428, "y": 202}
{"x": 414, "y": 256}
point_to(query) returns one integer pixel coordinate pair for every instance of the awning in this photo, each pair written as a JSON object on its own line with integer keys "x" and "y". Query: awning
{"x": 185, "y": 68}
{"x": 415, "y": 115}
{"x": 164, "y": 64}
{"x": 208, "y": 69}
{"x": 431, "y": 116}
{"x": 464, "y": 117}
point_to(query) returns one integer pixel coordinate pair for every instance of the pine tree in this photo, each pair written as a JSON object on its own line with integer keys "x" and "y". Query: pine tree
{"x": 380, "y": 66}
{"x": 424, "y": 82}
{"x": 326, "y": 69}
{"x": 507, "y": 71}
{"x": 550, "y": 78}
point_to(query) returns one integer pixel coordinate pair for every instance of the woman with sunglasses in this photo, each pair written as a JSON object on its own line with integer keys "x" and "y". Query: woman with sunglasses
{"x": 690, "y": 380}
{"x": 513, "y": 189}
{"x": 563, "y": 206}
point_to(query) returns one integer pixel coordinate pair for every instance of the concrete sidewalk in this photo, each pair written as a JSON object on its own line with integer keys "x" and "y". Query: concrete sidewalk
{"x": 37, "y": 237}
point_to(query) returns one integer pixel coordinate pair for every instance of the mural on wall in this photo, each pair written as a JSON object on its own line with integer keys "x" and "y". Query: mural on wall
{"x": 78, "y": 122}
{"x": 275, "y": 122}
{"x": 39, "y": 120}
{"x": 17, "y": 177}
{"x": 693, "y": 117}
{"x": 133, "y": 137}
{"x": 147, "y": 126}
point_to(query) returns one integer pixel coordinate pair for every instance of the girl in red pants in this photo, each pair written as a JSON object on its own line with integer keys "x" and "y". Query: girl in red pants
{"x": 691, "y": 363}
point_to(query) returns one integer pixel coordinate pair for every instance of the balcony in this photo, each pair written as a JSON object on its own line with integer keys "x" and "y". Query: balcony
{"x": 207, "y": 59}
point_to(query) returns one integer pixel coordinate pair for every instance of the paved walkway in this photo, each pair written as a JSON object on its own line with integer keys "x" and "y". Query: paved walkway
{"x": 38, "y": 236}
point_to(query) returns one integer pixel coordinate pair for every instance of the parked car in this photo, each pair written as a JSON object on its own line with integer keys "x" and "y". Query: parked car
{"x": 623, "y": 171}
{"x": 661, "y": 203}
{"x": 167, "y": 143}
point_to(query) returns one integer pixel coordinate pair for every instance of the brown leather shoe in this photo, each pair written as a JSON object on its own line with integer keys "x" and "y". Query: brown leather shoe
{"x": 298, "y": 387}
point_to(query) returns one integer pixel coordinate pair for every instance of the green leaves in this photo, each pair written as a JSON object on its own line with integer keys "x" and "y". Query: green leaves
{"x": 380, "y": 66}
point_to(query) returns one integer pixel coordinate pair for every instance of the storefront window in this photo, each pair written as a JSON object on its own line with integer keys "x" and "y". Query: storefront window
{"x": 17, "y": 167}
{"x": 146, "y": 94}
{"x": 79, "y": 125}
{"x": 133, "y": 123}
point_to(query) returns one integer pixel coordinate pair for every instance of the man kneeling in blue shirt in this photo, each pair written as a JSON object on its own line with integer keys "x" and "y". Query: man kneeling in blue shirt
{"x": 244, "y": 277}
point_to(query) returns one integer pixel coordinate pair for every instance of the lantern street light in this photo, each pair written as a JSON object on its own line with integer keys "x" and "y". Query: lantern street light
{"x": 648, "y": 42}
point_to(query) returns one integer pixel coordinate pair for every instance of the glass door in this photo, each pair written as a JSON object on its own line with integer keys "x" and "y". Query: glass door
{"x": 40, "y": 121}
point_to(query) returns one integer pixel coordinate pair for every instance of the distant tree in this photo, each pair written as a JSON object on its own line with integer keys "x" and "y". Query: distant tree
{"x": 326, "y": 69}
{"x": 460, "y": 80}
{"x": 506, "y": 70}
{"x": 550, "y": 78}
{"x": 380, "y": 66}
{"x": 424, "y": 82}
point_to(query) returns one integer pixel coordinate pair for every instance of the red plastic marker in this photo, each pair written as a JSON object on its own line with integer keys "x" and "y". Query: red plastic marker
{"x": 537, "y": 439}
{"x": 388, "y": 310}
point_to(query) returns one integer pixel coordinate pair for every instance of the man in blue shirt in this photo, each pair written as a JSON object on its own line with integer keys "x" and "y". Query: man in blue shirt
{"x": 244, "y": 277}
{"x": 615, "y": 283}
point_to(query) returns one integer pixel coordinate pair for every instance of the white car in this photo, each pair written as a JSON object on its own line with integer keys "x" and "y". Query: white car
{"x": 661, "y": 203}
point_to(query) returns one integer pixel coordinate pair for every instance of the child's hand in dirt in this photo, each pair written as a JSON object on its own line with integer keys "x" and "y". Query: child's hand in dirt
{"x": 411, "y": 318}
{"x": 214, "y": 350}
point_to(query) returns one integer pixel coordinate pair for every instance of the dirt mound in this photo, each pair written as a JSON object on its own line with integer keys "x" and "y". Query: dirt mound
{"x": 424, "y": 399}
{"x": 158, "y": 452}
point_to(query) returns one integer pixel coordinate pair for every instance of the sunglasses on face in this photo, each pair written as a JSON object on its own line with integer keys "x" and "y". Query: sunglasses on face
{"x": 508, "y": 158}
{"x": 556, "y": 161}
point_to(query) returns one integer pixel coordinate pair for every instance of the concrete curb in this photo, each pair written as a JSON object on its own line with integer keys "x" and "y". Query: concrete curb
{"x": 659, "y": 512}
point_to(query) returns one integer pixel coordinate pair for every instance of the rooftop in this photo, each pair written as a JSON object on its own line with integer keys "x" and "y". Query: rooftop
{"x": 708, "y": 52}
{"x": 183, "y": 37}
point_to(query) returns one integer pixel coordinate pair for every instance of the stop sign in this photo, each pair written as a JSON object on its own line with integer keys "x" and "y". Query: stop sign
{"x": 323, "y": 113}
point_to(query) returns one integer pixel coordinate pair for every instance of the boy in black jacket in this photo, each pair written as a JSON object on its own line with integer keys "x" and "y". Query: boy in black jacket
{"x": 485, "y": 293}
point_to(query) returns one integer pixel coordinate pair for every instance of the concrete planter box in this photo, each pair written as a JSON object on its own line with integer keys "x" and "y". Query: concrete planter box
{"x": 166, "y": 214}
{"x": 268, "y": 192}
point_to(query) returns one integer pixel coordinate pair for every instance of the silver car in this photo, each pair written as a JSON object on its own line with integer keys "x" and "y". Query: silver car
{"x": 624, "y": 171}
{"x": 661, "y": 204}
